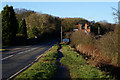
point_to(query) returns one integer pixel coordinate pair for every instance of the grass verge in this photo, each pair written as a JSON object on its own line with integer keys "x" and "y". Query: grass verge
{"x": 78, "y": 67}
{"x": 44, "y": 69}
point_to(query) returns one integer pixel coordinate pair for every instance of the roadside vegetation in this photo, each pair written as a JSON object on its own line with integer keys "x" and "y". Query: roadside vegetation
{"x": 102, "y": 51}
{"x": 21, "y": 26}
{"x": 44, "y": 69}
{"x": 78, "y": 67}
{"x": 76, "y": 63}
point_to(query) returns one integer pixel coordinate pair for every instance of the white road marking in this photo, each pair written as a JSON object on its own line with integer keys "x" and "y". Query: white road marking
{"x": 21, "y": 53}
{"x": 27, "y": 65}
{"x": 7, "y": 57}
{"x": 17, "y": 48}
{"x": 19, "y": 71}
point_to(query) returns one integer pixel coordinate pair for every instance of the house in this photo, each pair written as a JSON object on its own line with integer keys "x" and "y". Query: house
{"x": 86, "y": 27}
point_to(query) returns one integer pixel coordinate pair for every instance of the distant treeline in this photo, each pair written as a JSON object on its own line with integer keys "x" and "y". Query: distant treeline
{"x": 19, "y": 25}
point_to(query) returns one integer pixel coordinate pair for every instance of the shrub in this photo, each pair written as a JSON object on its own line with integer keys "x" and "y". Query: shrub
{"x": 106, "y": 27}
{"x": 104, "y": 50}
{"x": 109, "y": 45}
{"x": 79, "y": 37}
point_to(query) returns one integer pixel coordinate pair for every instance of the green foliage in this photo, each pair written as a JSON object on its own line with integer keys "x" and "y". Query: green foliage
{"x": 0, "y": 28}
{"x": 38, "y": 71}
{"x": 22, "y": 28}
{"x": 68, "y": 24}
{"x": 9, "y": 25}
{"x": 78, "y": 66}
{"x": 35, "y": 31}
{"x": 43, "y": 24}
{"x": 51, "y": 55}
{"x": 95, "y": 27}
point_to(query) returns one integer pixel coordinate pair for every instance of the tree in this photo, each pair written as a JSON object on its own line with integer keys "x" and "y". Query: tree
{"x": 35, "y": 31}
{"x": 68, "y": 24}
{"x": 42, "y": 25}
{"x": 22, "y": 13}
{"x": 116, "y": 13}
{"x": 9, "y": 25}
{"x": 96, "y": 28}
{"x": 0, "y": 29}
{"x": 22, "y": 28}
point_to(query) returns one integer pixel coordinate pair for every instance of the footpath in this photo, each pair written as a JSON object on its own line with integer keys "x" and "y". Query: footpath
{"x": 61, "y": 62}
{"x": 62, "y": 72}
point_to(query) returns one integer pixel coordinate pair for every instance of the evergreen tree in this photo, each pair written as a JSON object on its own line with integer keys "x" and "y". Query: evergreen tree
{"x": 0, "y": 29}
{"x": 9, "y": 25}
{"x": 22, "y": 28}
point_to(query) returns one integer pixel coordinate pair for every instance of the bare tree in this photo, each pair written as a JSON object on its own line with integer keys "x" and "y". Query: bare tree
{"x": 116, "y": 13}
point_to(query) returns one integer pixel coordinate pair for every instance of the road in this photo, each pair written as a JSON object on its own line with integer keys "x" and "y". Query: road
{"x": 18, "y": 57}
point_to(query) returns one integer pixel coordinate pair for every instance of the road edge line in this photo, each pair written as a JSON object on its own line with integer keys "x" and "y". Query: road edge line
{"x": 11, "y": 77}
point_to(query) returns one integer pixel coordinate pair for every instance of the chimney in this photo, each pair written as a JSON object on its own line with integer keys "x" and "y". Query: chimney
{"x": 79, "y": 27}
{"x": 86, "y": 26}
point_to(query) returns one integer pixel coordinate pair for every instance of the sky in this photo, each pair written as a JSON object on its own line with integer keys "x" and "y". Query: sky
{"x": 97, "y": 11}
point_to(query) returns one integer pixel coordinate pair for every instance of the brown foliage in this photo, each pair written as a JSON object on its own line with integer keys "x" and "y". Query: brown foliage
{"x": 101, "y": 51}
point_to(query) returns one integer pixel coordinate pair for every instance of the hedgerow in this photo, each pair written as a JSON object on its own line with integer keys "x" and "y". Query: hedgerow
{"x": 102, "y": 51}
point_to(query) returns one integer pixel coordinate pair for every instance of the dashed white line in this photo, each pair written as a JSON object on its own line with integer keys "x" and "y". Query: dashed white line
{"x": 27, "y": 66}
{"x": 7, "y": 57}
{"x": 21, "y": 53}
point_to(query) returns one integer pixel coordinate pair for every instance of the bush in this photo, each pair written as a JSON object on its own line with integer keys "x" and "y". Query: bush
{"x": 106, "y": 27}
{"x": 109, "y": 45}
{"x": 79, "y": 37}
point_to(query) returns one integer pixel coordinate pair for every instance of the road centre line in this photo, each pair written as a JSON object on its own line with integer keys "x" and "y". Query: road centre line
{"x": 11, "y": 77}
{"x": 7, "y": 57}
{"x": 20, "y": 53}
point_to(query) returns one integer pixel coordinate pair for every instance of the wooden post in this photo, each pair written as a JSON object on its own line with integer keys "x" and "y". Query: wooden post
{"x": 61, "y": 33}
